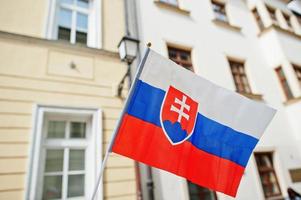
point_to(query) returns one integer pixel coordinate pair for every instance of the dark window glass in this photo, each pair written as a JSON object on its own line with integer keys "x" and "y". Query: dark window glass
{"x": 181, "y": 57}
{"x": 267, "y": 174}
{"x": 200, "y": 193}
{"x": 81, "y": 37}
{"x": 284, "y": 84}
{"x": 64, "y": 33}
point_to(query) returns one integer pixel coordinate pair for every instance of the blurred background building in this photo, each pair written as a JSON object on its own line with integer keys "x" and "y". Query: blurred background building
{"x": 249, "y": 46}
{"x": 59, "y": 100}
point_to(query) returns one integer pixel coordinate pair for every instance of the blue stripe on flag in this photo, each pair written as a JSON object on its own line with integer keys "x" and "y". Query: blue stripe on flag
{"x": 209, "y": 135}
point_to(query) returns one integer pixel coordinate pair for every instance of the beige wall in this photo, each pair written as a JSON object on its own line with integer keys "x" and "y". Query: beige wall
{"x": 112, "y": 31}
{"x": 23, "y": 17}
{"x": 29, "y": 75}
{"x": 29, "y": 17}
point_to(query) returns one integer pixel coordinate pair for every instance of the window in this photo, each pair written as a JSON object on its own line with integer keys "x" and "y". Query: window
{"x": 295, "y": 175}
{"x": 298, "y": 72}
{"x": 199, "y": 193}
{"x": 65, "y": 154}
{"x": 288, "y": 21}
{"x": 240, "y": 77}
{"x": 75, "y": 21}
{"x": 267, "y": 174}
{"x": 258, "y": 19}
{"x": 172, "y": 2}
{"x": 272, "y": 13}
{"x": 219, "y": 10}
{"x": 284, "y": 84}
{"x": 181, "y": 57}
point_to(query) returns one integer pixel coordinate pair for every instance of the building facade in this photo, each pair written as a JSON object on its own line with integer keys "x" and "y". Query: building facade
{"x": 249, "y": 46}
{"x": 59, "y": 71}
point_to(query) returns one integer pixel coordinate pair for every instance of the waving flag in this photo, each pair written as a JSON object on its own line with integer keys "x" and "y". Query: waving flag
{"x": 179, "y": 122}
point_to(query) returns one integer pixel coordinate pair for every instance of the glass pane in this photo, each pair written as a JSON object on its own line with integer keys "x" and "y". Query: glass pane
{"x": 172, "y": 54}
{"x": 65, "y": 17}
{"x": 197, "y": 192}
{"x": 64, "y": 33}
{"x": 52, "y": 188}
{"x": 81, "y": 37}
{"x": 56, "y": 129}
{"x": 83, "y": 3}
{"x": 78, "y": 130}
{"x": 82, "y": 21}
{"x": 77, "y": 160}
{"x": 193, "y": 189}
{"x": 76, "y": 185}
{"x": 54, "y": 160}
{"x": 184, "y": 56}
{"x": 67, "y": 1}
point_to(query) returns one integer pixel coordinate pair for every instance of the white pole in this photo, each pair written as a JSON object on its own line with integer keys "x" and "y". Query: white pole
{"x": 109, "y": 149}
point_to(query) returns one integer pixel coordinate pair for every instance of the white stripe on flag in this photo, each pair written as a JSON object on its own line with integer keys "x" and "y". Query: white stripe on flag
{"x": 216, "y": 103}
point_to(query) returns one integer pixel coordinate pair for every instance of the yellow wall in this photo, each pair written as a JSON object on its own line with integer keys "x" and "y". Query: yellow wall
{"x": 113, "y": 10}
{"x": 23, "y": 17}
{"x": 29, "y": 75}
{"x": 29, "y": 17}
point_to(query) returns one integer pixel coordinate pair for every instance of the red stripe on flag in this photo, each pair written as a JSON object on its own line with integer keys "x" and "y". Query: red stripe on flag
{"x": 145, "y": 142}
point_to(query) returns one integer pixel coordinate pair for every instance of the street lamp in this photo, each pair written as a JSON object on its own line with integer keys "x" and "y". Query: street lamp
{"x": 128, "y": 50}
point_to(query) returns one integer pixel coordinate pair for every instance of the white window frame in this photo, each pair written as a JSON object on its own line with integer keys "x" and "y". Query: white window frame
{"x": 94, "y": 150}
{"x": 94, "y": 32}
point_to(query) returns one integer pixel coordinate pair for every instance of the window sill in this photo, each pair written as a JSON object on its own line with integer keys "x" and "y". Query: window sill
{"x": 256, "y": 97}
{"x": 278, "y": 28}
{"x": 172, "y": 7}
{"x": 292, "y": 101}
{"x": 226, "y": 25}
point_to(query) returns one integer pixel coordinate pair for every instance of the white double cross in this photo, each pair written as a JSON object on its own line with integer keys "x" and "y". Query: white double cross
{"x": 181, "y": 111}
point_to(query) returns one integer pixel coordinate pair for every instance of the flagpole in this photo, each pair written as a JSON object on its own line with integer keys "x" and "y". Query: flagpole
{"x": 109, "y": 149}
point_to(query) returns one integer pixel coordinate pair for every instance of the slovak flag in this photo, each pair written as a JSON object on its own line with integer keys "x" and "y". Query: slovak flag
{"x": 177, "y": 121}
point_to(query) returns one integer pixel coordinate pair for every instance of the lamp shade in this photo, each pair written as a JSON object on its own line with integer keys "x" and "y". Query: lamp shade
{"x": 128, "y": 49}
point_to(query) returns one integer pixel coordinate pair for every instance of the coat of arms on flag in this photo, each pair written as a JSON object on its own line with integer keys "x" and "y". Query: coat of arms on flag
{"x": 177, "y": 121}
{"x": 178, "y": 115}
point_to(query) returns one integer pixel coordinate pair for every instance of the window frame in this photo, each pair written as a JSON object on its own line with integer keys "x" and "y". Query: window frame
{"x": 272, "y": 14}
{"x": 267, "y": 170}
{"x": 258, "y": 19}
{"x": 200, "y": 192}
{"x": 35, "y": 166}
{"x": 94, "y": 31}
{"x": 240, "y": 75}
{"x": 178, "y": 60}
{"x": 220, "y": 4}
{"x": 287, "y": 19}
{"x": 297, "y": 70}
{"x": 283, "y": 82}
